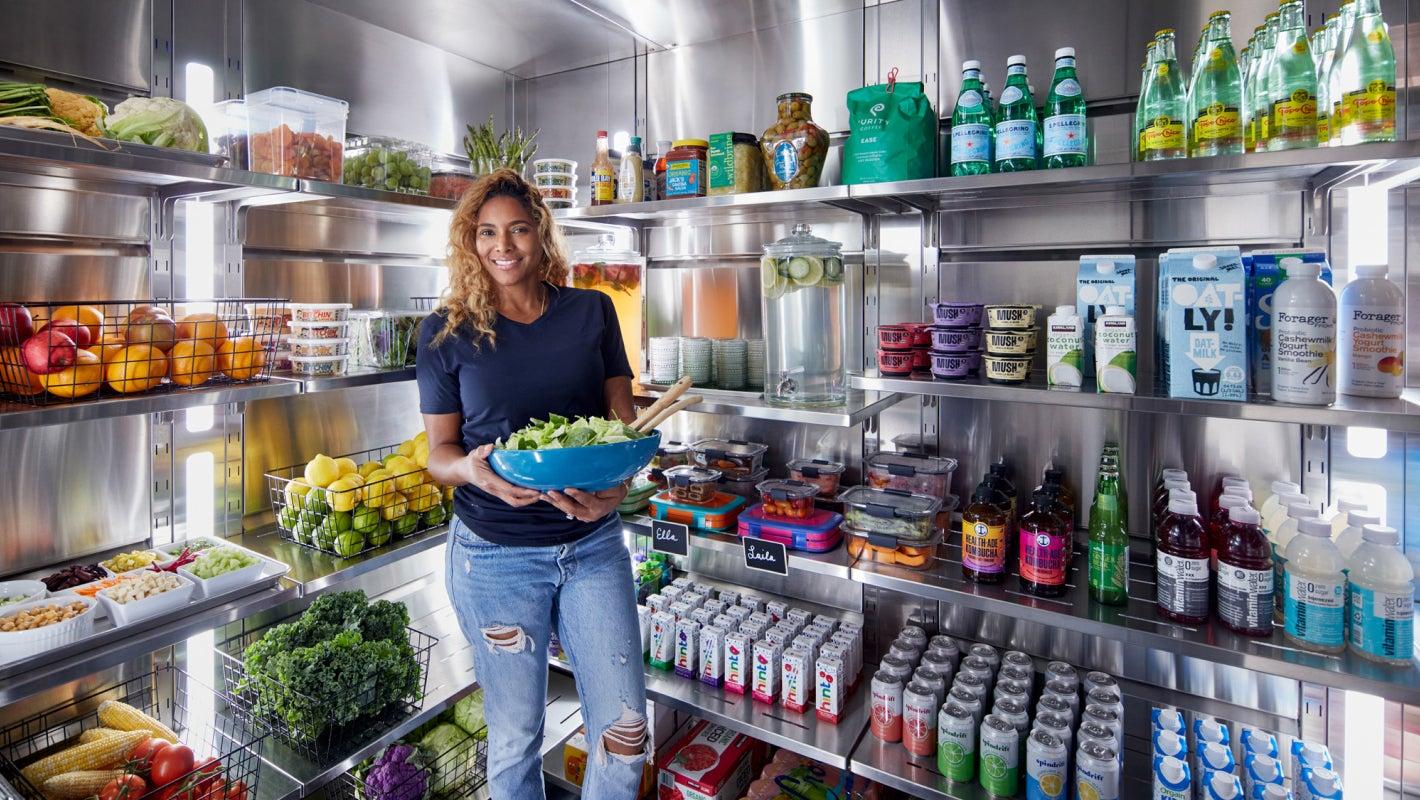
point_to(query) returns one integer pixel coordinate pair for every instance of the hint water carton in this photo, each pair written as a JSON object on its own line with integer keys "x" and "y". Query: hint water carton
{"x": 1264, "y": 273}
{"x": 1203, "y": 324}
{"x": 1102, "y": 281}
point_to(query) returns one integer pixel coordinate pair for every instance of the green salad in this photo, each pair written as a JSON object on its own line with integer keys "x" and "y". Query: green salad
{"x": 558, "y": 431}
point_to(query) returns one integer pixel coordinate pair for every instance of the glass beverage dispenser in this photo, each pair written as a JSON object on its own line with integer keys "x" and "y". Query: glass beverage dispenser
{"x": 617, "y": 274}
{"x": 805, "y": 312}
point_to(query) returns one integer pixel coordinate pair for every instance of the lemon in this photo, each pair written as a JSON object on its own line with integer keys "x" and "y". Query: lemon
{"x": 406, "y": 449}
{"x": 296, "y": 492}
{"x": 421, "y": 453}
{"x": 378, "y": 488}
{"x": 368, "y": 467}
{"x": 422, "y": 436}
{"x": 347, "y": 465}
{"x": 423, "y": 498}
{"x": 449, "y": 493}
{"x": 343, "y": 494}
{"x": 1085, "y": 790}
{"x": 396, "y": 507}
{"x": 321, "y": 471}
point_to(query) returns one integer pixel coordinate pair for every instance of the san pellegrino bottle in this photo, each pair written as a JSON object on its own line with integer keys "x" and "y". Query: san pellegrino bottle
{"x": 1109, "y": 543}
{"x": 1292, "y": 81}
{"x": 1162, "y": 135}
{"x": 1344, "y": 28}
{"x": 1017, "y": 125}
{"x": 1067, "y": 142}
{"x": 1144, "y": 72}
{"x": 1262, "y": 96}
{"x": 971, "y": 125}
{"x": 1367, "y": 79}
{"x": 1325, "y": 57}
{"x": 1216, "y": 128}
{"x": 990, "y": 109}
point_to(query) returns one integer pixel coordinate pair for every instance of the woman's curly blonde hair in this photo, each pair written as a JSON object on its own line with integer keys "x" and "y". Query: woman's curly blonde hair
{"x": 471, "y": 301}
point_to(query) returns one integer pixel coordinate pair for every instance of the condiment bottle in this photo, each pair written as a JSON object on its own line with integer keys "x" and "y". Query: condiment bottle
{"x": 663, "y": 146}
{"x": 603, "y": 173}
{"x": 1046, "y": 545}
{"x": 1245, "y": 574}
{"x": 1182, "y": 564}
{"x": 983, "y": 537}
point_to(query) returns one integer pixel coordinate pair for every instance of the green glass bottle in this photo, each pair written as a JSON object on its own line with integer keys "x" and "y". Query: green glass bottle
{"x": 1144, "y": 70}
{"x": 1163, "y": 101}
{"x": 1217, "y": 123}
{"x": 1333, "y": 77}
{"x": 1251, "y": 88}
{"x": 1262, "y": 98}
{"x": 1292, "y": 82}
{"x": 1326, "y": 57}
{"x": 1067, "y": 141}
{"x": 1108, "y": 564}
{"x": 1017, "y": 126}
{"x": 1245, "y": 114}
{"x": 1191, "y": 86}
{"x": 1367, "y": 81}
{"x": 971, "y": 125}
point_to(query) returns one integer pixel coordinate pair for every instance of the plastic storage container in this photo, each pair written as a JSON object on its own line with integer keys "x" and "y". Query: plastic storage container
{"x": 384, "y": 339}
{"x": 315, "y": 348}
{"x": 134, "y": 610}
{"x": 889, "y": 512}
{"x": 296, "y": 133}
{"x": 718, "y": 515}
{"x": 745, "y": 486}
{"x": 927, "y": 475}
{"x": 560, "y": 165}
{"x": 638, "y": 496}
{"x": 383, "y": 162}
{"x": 730, "y": 456}
{"x": 818, "y": 533}
{"x": 787, "y": 499}
{"x": 319, "y": 312}
{"x": 319, "y": 366}
{"x": 804, "y": 308}
{"x": 889, "y": 550}
{"x": 691, "y": 484}
{"x": 826, "y": 474}
{"x": 449, "y": 176}
{"x": 227, "y": 127}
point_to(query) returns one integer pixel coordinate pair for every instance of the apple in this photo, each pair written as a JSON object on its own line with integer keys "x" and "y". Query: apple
{"x": 152, "y": 327}
{"x": 16, "y": 324}
{"x": 49, "y": 351}
{"x": 74, "y": 329}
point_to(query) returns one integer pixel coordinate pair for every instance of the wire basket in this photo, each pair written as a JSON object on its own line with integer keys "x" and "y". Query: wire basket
{"x": 167, "y": 694}
{"x": 462, "y": 770}
{"x": 240, "y": 688}
{"x": 66, "y": 352}
{"x": 350, "y": 521}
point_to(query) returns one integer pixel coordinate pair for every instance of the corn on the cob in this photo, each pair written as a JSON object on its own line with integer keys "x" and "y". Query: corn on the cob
{"x": 78, "y": 784}
{"x": 95, "y": 734}
{"x": 88, "y": 756}
{"x": 124, "y": 717}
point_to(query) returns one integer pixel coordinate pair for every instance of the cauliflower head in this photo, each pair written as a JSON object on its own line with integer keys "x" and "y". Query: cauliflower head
{"x": 159, "y": 121}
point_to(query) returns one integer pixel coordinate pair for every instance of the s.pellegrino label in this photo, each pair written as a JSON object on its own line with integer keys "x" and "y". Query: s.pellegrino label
{"x": 1065, "y": 135}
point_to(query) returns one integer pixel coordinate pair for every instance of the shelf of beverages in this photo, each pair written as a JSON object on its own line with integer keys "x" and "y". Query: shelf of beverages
{"x": 1400, "y": 414}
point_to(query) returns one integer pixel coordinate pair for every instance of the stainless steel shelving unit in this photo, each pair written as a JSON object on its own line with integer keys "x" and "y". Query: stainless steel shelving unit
{"x": 861, "y": 405}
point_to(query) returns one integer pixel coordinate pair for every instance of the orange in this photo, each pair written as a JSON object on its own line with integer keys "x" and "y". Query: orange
{"x": 14, "y": 378}
{"x": 90, "y": 317}
{"x": 109, "y": 346}
{"x": 204, "y": 327}
{"x": 83, "y": 378}
{"x": 241, "y": 358}
{"x": 137, "y": 368}
{"x": 193, "y": 363}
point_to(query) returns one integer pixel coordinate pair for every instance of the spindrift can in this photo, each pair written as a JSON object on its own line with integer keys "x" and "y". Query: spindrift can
{"x": 887, "y": 706}
{"x": 1060, "y": 671}
{"x": 919, "y": 719}
{"x": 1000, "y": 766}
{"x": 1096, "y": 772}
{"x": 1046, "y": 764}
{"x": 956, "y": 745}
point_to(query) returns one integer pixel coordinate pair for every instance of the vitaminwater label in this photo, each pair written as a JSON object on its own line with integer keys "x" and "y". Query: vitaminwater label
{"x": 1303, "y": 348}
{"x": 1044, "y": 558}
{"x": 1109, "y": 566}
{"x": 1065, "y": 135}
{"x": 1382, "y": 624}
{"x": 1316, "y": 610}
{"x": 1162, "y": 133}
{"x": 971, "y": 143}
{"x": 1245, "y": 596}
{"x": 1015, "y": 138}
{"x": 1217, "y": 121}
{"x": 1295, "y": 115}
{"x": 1183, "y": 585}
{"x": 983, "y": 547}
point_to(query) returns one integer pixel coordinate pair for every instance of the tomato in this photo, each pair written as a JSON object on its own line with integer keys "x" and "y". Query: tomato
{"x": 236, "y": 791}
{"x": 124, "y": 787}
{"x": 171, "y": 764}
{"x": 141, "y": 756}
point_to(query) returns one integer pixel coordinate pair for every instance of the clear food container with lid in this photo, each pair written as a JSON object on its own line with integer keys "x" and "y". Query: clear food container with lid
{"x": 690, "y": 484}
{"x": 804, "y": 308}
{"x": 889, "y": 512}
{"x": 787, "y": 499}
{"x": 298, "y": 134}
{"x": 910, "y": 472}
{"x": 318, "y": 366}
{"x": 825, "y": 473}
{"x": 730, "y": 456}
{"x": 449, "y": 176}
{"x": 227, "y": 127}
{"x": 384, "y": 162}
{"x": 319, "y": 312}
{"x": 744, "y": 485}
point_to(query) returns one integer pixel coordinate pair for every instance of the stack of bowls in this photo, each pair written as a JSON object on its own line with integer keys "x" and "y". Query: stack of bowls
{"x": 556, "y": 180}
{"x": 731, "y": 362}
{"x": 1009, "y": 339}
{"x": 956, "y": 340}
{"x": 665, "y": 359}
{"x": 754, "y": 364}
{"x": 695, "y": 359}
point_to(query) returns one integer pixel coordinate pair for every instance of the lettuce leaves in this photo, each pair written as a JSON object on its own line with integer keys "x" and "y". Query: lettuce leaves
{"x": 558, "y": 432}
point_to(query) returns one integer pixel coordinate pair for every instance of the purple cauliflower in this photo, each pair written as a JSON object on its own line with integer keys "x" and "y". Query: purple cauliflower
{"x": 398, "y": 774}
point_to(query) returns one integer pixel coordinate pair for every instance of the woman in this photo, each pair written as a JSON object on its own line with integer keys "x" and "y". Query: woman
{"x": 510, "y": 343}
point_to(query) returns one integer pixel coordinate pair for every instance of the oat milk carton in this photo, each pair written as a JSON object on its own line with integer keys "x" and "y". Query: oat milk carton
{"x": 1203, "y": 327}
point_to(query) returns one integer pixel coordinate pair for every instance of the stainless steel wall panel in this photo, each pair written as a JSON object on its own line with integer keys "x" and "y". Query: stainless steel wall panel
{"x": 89, "y": 213}
{"x": 362, "y": 285}
{"x": 200, "y": 36}
{"x": 101, "y": 42}
{"x": 1257, "y": 220}
{"x": 601, "y": 97}
{"x": 72, "y": 490}
{"x": 678, "y": 23}
{"x": 29, "y": 276}
{"x": 314, "y": 228}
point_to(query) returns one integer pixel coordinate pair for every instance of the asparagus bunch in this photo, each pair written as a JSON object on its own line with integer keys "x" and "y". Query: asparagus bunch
{"x": 511, "y": 149}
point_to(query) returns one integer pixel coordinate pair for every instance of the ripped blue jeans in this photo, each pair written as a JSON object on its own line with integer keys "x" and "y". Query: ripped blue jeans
{"x": 507, "y": 600}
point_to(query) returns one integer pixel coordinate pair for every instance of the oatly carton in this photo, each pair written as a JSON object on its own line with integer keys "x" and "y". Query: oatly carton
{"x": 1264, "y": 274}
{"x": 1204, "y": 323}
{"x": 1101, "y": 282}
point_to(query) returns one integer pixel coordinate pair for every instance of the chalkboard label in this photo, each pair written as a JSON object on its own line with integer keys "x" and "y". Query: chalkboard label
{"x": 765, "y": 556}
{"x": 671, "y": 538}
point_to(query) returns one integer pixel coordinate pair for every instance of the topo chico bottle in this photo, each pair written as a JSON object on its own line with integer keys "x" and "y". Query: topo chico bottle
{"x": 1292, "y": 82}
{"x": 1216, "y": 127}
{"x": 1161, "y": 135}
{"x": 1367, "y": 80}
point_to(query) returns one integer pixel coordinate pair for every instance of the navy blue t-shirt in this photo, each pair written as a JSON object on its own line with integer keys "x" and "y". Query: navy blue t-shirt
{"x": 557, "y": 364}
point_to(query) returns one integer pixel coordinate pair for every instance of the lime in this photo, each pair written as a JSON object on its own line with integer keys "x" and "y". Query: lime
{"x": 768, "y": 273}
{"x": 289, "y": 516}
{"x": 805, "y": 270}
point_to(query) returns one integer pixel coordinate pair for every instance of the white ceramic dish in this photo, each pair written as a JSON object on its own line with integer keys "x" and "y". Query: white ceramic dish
{"x": 16, "y": 645}
{"x": 227, "y": 581}
{"x": 19, "y": 592}
{"x": 167, "y": 602}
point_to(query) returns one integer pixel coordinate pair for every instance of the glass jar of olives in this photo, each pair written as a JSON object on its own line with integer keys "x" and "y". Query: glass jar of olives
{"x": 794, "y": 147}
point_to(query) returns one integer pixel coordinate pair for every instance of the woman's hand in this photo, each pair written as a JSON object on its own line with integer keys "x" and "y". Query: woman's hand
{"x": 586, "y": 506}
{"x": 486, "y": 479}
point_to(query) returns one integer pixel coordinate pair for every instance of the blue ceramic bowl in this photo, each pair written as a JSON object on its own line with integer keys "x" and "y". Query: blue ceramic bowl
{"x": 591, "y": 469}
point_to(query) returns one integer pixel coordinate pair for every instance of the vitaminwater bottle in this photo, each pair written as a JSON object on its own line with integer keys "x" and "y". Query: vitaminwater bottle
{"x": 1169, "y": 474}
{"x": 1046, "y": 545}
{"x": 1182, "y": 565}
{"x": 1067, "y": 142}
{"x": 1281, "y": 539}
{"x": 971, "y": 125}
{"x": 984, "y": 526}
{"x": 1218, "y": 523}
{"x": 1017, "y": 125}
{"x": 1354, "y": 532}
{"x": 1380, "y": 600}
{"x": 1216, "y": 127}
{"x": 1339, "y": 515}
{"x": 1367, "y": 79}
{"x": 1163, "y": 102}
{"x": 1227, "y": 484}
{"x": 1109, "y": 543}
{"x": 1245, "y": 575}
{"x": 1274, "y": 501}
{"x": 1315, "y": 589}
{"x": 1292, "y": 82}
{"x": 1165, "y": 517}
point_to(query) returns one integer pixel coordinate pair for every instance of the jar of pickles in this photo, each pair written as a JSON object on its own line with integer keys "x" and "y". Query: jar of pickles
{"x": 794, "y": 147}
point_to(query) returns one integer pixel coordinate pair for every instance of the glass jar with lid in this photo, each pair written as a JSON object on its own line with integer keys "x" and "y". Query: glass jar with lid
{"x": 804, "y": 312}
{"x": 616, "y": 272}
{"x": 794, "y": 146}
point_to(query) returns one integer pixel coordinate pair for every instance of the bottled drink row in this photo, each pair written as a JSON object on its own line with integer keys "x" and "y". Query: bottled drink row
{"x": 1014, "y": 135}
{"x": 1284, "y": 91}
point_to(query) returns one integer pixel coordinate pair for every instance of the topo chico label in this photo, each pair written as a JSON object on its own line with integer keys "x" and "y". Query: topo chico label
{"x": 1162, "y": 133}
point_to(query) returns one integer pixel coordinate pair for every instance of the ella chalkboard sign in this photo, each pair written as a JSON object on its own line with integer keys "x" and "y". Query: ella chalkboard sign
{"x": 765, "y": 556}
{"x": 671, "y": 538}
